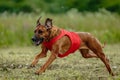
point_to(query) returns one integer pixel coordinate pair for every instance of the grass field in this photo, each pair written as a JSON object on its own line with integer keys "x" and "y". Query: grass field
{"x": 14, "y": 62}
{"x": 17, "y": 52}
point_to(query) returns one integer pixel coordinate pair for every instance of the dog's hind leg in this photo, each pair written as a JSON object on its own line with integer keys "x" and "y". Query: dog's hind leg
{"x": 88, "y": 54}
{"x": 104, "y": 59}
{"x": 94, "y": 45}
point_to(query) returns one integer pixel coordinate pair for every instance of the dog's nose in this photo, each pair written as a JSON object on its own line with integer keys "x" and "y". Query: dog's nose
{"x": 33, "y": 39}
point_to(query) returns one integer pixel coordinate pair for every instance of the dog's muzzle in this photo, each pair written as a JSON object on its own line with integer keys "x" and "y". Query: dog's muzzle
{"x": 37, "y": 41}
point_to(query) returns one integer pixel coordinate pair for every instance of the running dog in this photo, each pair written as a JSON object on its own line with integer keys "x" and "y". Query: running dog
{"x": 61, "y": 43}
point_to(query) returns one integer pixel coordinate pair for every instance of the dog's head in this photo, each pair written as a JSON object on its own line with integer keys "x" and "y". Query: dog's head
{"x": 42, "y": 32}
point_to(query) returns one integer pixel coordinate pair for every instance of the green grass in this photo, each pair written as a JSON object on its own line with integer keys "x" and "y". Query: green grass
{"x": 17, "y": 29}
{"x": 14, "y": 62}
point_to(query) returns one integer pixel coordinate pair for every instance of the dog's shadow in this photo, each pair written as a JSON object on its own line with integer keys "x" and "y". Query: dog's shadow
{"x": 53, "y": 67}
{"x": 57, "y": 66}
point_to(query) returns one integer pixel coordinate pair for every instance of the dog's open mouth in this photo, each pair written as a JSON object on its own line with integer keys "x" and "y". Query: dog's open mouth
{"x": 37, "y": 41}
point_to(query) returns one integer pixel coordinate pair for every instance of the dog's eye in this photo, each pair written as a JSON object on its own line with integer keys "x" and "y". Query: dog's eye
{"x": 39, "y": 31}
{"x": 35, "y": 31}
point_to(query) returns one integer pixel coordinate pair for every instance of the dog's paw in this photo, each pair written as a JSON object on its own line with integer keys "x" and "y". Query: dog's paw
{"x": 37, "y": 73}
{"x": 30, "y": 66}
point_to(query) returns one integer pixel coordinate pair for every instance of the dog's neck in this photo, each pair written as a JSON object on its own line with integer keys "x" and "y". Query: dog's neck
{"x": 55, "y": 31}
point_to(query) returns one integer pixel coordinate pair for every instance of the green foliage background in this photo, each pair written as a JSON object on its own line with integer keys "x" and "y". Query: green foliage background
{"x": 18, "y": 18}
{"x": 58, "y": 6}
{"x": 17, "y": 29}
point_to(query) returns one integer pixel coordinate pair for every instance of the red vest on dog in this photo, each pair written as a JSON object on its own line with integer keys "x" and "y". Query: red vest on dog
{"x": 74, "y": 38}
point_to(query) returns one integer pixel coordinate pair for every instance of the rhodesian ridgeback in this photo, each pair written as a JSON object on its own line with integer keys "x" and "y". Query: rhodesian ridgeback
{"x": 61, "y": 43}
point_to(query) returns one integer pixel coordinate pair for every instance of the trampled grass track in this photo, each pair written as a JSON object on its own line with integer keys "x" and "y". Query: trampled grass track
{"x": 14, "y": 62}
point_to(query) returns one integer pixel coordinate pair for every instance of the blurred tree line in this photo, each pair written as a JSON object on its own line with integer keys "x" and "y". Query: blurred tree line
{"x": 58, "y": 6}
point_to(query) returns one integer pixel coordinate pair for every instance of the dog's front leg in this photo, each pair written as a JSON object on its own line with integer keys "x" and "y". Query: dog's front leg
{"x": 52, "y": 57}
{"x": 42, "y": 54}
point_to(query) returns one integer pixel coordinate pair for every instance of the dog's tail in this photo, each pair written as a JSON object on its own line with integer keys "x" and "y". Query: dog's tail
{"x": 103, "y": 46}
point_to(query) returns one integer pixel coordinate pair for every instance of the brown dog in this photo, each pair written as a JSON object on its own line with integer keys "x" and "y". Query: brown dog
{"x": 88, "y": 45}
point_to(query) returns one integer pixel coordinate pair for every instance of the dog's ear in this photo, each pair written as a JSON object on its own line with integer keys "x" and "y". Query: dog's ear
{"x": 38, "y": 21}
{"x": 48, "y": 23}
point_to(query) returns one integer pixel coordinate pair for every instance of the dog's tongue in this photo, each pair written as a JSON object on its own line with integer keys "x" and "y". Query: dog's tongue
{"x": 37, "y": 43}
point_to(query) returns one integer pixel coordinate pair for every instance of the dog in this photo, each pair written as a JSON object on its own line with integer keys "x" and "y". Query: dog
{"x": 60, "y": 43}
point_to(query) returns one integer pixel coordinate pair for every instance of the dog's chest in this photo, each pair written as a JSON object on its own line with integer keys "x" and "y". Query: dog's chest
{"x": 64, "y": 44}
{"x": 74, "y": 43}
